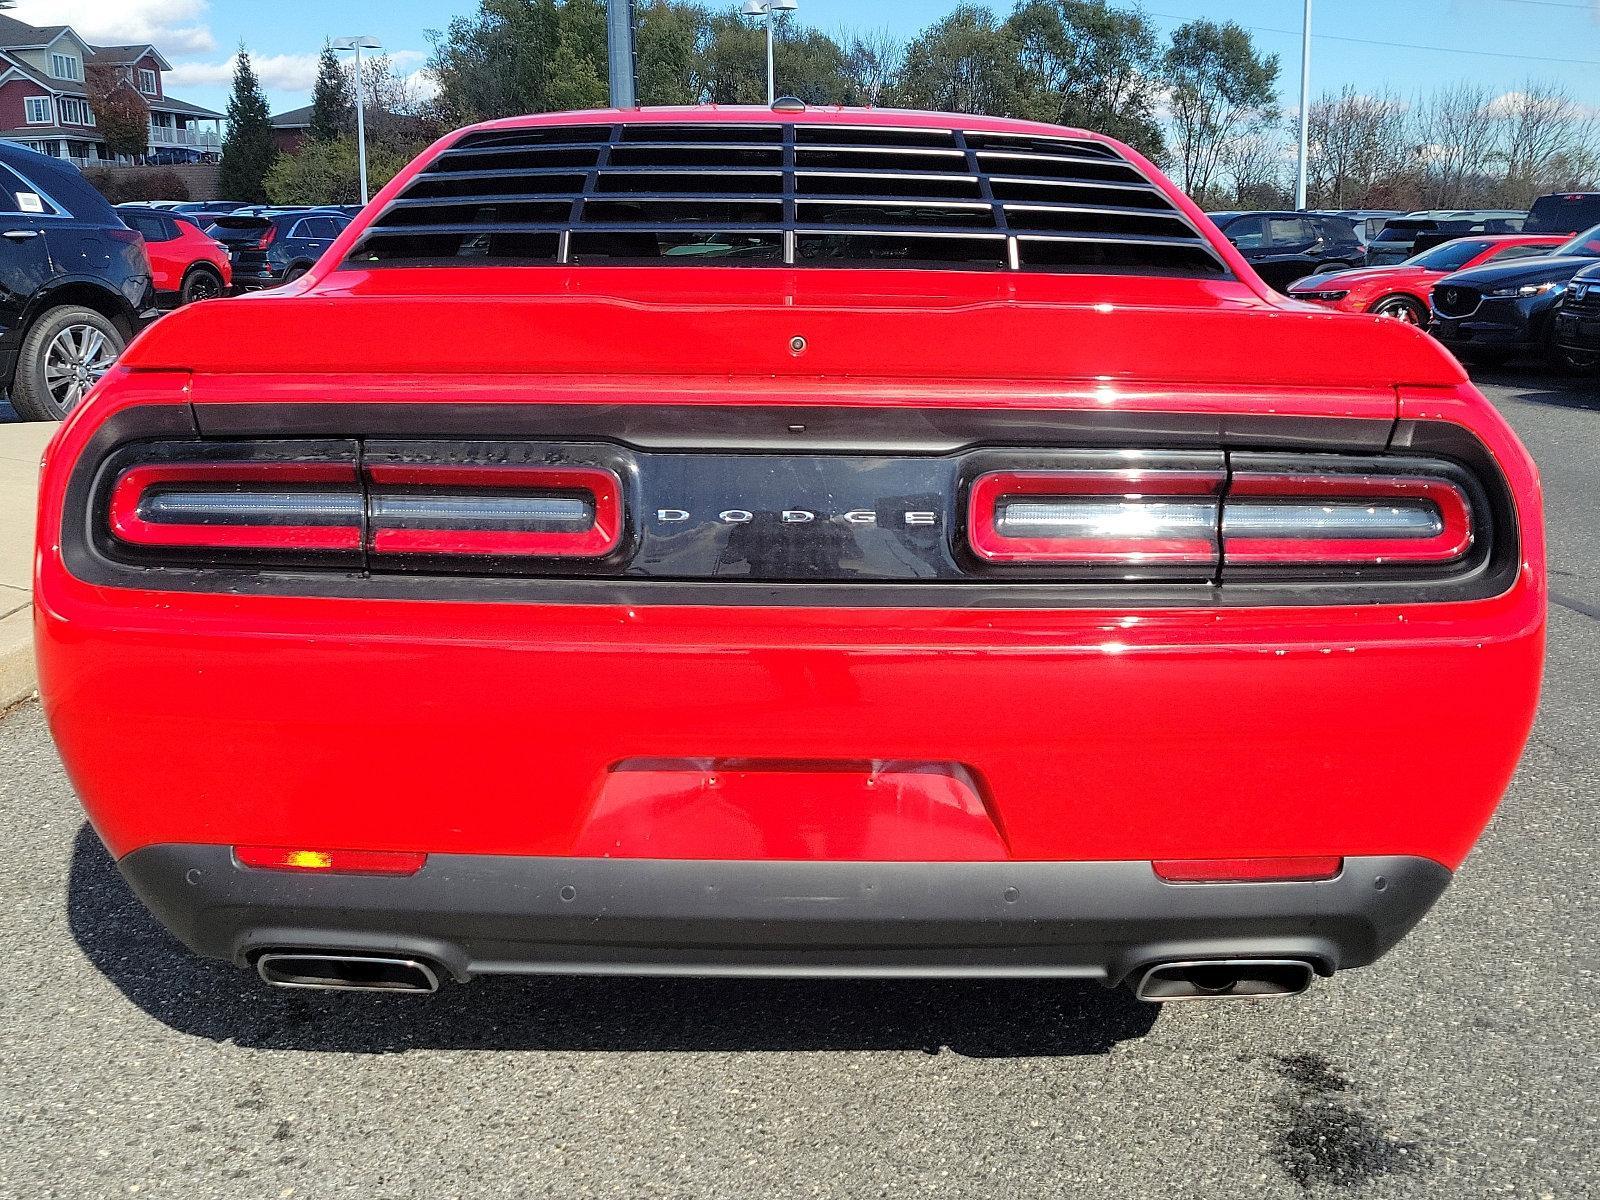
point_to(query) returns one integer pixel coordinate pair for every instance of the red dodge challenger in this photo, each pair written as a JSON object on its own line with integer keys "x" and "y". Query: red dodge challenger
{"x": 829, "y": 542}
{"x": 1405, "y": 290}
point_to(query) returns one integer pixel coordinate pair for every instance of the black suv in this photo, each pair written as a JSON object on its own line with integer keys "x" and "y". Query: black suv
{"x": 1496, "y": 312}
{"x": 1577, "y": 334}
{"x": 271, "y": 246}
{"x": 1563, "y": 212}
{"x": 74, "y": 284}
{"x": 1286, "y": 246}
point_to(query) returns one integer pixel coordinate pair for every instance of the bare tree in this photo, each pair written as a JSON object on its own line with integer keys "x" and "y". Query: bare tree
{"x": 1549, "y": 142}
{"x": 873, "y": 58}
{"x": 1359, "y": 144}
{"x": 1256, "y": 168}
{"x": 1454, "y": 131}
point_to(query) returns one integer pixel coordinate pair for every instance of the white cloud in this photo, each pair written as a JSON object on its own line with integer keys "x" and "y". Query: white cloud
{"x": 172, "y": 26}
{"x": 422, "y": 84}
{"x": 278, "y": 72}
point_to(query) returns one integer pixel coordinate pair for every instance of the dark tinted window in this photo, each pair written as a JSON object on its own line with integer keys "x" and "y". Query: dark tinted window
{"x": 1245, "y": 233}
{"x": 1405, "y": 231}
{"x": 1451, "y": 256}
{"x": 151, "y": 227}
{"x": 1508, "y": 253}
{"x": 1585, "y": 245}
{"x": 1563, "y": 214}
{"x": 1334, "y": 230}
{"x": 1288, "y": 231}
{"x": 239, "y": 229}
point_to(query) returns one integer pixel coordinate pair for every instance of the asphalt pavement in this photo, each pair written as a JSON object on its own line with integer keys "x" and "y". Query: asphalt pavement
{"x": 1466, "y": 1064}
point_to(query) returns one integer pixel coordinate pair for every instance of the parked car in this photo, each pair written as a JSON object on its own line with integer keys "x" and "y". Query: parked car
{"x": 149, "y": 204}
{"x": 1405, "y": 291}
{"x": 185, "y": 264}
{"x": 525, "y": 594}
{"x": 74, "y": 283}
{"x": 1415, "y": 232}
{"x": 1284, "y": 246}
{"x": 1577, "y": 333}
{"x": 1492, "y": 314}
{"x": 274, "y": 246}
{"x": 1564, "y": 212}
{"x": 209, "y": 208}
{"x": 1368, "y": 222}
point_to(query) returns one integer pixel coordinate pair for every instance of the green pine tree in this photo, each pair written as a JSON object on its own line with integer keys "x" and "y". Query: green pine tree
{"x": 248, "y": 151}
{"x": 333, "y": 105}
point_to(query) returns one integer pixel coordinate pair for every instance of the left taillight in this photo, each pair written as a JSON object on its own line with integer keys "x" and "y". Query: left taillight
{"x": 329, "y": 504}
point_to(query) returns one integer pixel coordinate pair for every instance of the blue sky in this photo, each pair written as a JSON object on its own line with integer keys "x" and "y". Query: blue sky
{"x": 1371, "y": 44}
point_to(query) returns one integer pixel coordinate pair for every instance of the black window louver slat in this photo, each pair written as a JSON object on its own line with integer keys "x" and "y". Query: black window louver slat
{"x": 778, "y": 194}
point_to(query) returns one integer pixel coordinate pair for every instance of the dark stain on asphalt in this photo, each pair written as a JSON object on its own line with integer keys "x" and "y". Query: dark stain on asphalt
{"x": 1326, "y": 1138}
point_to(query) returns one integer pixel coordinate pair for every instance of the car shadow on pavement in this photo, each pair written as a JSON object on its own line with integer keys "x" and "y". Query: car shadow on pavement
{"x": 978, "y": 1019}
{"x": 1558, "y": 391}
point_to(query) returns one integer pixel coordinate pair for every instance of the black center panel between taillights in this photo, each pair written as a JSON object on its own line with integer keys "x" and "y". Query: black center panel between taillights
{"x": 941, "y": 512}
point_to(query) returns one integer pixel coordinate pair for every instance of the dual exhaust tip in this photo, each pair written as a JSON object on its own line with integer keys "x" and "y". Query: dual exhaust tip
{"x": 1201, "y": 979}
{"x": 1225, "y": 979}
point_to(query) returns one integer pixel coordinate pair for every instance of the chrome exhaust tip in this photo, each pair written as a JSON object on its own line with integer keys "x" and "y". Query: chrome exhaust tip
{"x": 346, "y": 972}
{"x": 1225, "y": 979}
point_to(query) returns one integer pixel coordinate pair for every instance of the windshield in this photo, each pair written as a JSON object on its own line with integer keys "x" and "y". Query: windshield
{"x": 1451, "y": 256}
{"x": 1585, "y": 245}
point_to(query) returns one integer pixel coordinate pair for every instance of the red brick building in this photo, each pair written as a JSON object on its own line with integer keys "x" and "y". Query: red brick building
{"x": 44, "y": 101}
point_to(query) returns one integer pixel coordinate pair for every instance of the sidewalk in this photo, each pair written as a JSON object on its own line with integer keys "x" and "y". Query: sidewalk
{"x": 21, "y": 443}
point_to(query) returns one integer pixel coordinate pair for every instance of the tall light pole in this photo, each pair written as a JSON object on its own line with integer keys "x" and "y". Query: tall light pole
{"x": 765, "y": 8}
{"x": 1305, "y": 107}
{"x": 358, "y": 44}
{"x": 622, "y": 60}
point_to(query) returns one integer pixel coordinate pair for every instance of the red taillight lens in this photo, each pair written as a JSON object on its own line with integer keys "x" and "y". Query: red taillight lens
{"x": 239, "y": 506}
{"x": 1121, "y": 517}
{"x": 268, "y": 236}
{"x": 334, "y": 862}
{"x": 1289, "y": 519}
{"x": 1249, "y": 870}
{"x": 541, "y": 512}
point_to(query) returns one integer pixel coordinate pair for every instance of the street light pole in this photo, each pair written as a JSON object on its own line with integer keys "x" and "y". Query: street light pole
{"x": 766, "y": 9}
{"x": 1305, "y": 107}
{"x": 358, "y": 44}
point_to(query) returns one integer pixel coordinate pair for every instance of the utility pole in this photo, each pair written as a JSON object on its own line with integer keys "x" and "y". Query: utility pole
{"x": 620, "y": 54}
{"x": 1305, "y": 107}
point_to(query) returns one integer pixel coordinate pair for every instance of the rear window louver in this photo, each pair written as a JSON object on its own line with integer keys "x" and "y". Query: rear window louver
{"x": 776, "y": 195}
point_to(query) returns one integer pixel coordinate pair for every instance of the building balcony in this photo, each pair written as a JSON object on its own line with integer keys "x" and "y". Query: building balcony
{"x": 188, "y": 138}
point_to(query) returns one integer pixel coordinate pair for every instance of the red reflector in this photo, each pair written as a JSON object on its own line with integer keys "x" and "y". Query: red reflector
{"x": 335, "y": 862}
{"x": 1284, "y": 520}
{"x": 1114, "y": 517}
{"x": 1247, "y": 870}
{"x": 239, "y": 506}
{"x": 541, "y": 512}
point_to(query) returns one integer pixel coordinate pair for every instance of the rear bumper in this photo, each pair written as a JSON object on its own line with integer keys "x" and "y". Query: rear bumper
{"x": 486, "y": 914}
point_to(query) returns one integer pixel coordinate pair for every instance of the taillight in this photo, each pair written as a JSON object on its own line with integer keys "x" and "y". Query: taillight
{"x": 1287, "y": 518}
{"x": 268, "y": 236}
{"x": 1128, "y": 516}
{"x": 238, "y": 506}
{"x": 1249, "y": 870}
{"x": 450, "y": 509}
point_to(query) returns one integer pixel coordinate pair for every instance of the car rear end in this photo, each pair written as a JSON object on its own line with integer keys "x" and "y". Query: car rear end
{"x": 833, "y": 543}
{"x": 248, "y": 239}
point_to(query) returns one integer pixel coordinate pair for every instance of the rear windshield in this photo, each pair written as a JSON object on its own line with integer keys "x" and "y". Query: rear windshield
{"x": 1405, "y": 231}
{"x": 1451, "y": 256}
{"x": 239, "y": 229}
{"x": 1563, "y": 214}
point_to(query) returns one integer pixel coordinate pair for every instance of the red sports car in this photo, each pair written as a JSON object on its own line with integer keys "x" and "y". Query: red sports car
{"x": 185, "y": 263}
{"x": 1405, "y": 290}
{"x": 835, "y": 542}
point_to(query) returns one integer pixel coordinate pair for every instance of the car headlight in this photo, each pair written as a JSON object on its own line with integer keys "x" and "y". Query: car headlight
{"x": 1324, "y": 297}
{"x": 1527, "y": 289}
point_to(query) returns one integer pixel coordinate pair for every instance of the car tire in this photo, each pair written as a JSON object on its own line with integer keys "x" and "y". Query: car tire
{"x": 1401, "y": 308}
{"x": 201, "y": 283}
{"x": 63, "y": 353}
{"x": 294, "y": 273}
{"x": 1575, "y": 362}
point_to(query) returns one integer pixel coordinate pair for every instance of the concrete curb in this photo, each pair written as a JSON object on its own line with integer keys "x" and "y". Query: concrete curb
{"x": 21, "y": 444}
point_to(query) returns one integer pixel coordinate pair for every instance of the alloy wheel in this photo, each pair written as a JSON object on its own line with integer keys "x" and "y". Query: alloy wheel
{"x": 74, "y": 361}
{"x": 1399, "y": 310}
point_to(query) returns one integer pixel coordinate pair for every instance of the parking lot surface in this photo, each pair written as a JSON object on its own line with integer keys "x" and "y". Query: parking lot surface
{"x": 1463, "y": 1065}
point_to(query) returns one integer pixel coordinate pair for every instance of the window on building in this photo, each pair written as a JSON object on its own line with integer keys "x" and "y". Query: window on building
{"x": 37, "y": 109}
{"x": 66, "y": 66}
{"x": 75, "y": 112}
{"x": 147, "y": 81}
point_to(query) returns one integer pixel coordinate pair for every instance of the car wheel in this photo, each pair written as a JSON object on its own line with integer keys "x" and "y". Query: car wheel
{"x": 64, "y": 354}
{"x": 294, "y": 273}
{"x": 1400, "y": 308}
{"x": 201, "y": 283}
